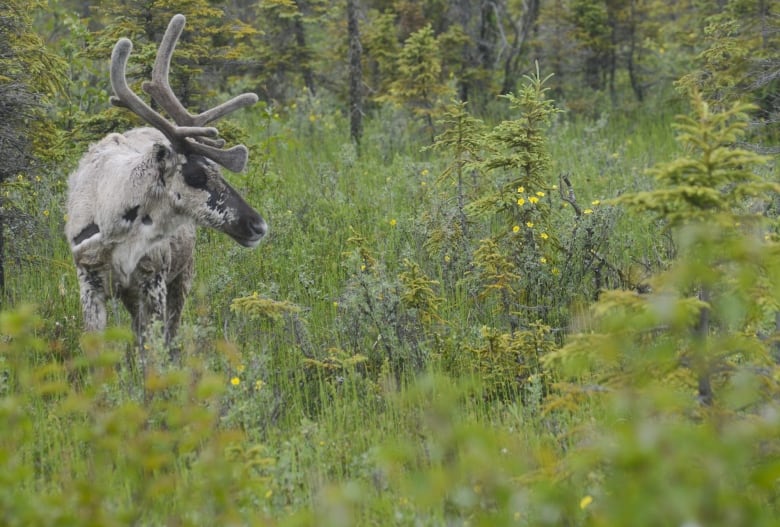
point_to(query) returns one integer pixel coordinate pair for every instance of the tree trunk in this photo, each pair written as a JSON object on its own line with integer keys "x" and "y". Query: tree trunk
{"x": 633, "y": 76}
{"x": 300, "y": 41}
{"x": 355, "y": 74}
{"x": 702, "y": 363}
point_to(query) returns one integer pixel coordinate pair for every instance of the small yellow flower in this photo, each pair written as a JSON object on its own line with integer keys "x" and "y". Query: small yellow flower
{"x": 269, "y": 493}
{"x": 587, "y": 211}
{"x": 424, "y": 172}
{"x": 529, "y": 224}
{"x": 259, "y": 385}
{"x": 312, "y": 118}
{"x": 335, "y": 304}
{"x": 543, "y": 236}
{"x": 363, "y": 267}
{"x": 447, "y": 258}
{"x": 555, "y": 271}
{"x": 520, "y": 189}
{"x": 555, "y": 187}
{"x": 46, "y": 213}
{"x": 540, "y": 194}
{"x": 235, "y": 381}
{"x": 584, "y": 502}
{"x": 533, "y": 199}
{"x": 38, "y": 179}
{"x": 516, "y": 228}
{"x": 595, "y": 202}
{"x": 240, "y": 368}
{"x": 543, "y": 259}
{"x": 520, "y": 201}
{"x": 393, "y": 222}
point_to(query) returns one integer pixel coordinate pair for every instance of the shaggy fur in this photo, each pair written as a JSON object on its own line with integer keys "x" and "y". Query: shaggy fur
{"x": 133, "y": 205}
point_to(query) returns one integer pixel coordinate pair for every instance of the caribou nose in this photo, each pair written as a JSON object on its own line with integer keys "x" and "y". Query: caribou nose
{"x": 260, "y": 227}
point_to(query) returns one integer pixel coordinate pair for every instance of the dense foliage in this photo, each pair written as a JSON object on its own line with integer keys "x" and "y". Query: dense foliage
{"x": 537, "y": 282}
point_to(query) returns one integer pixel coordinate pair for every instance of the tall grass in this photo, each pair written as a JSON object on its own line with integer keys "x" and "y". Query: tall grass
{"x": 307, "y": 418}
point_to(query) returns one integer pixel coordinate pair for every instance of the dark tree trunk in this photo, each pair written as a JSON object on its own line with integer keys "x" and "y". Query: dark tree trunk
{"x": 521, "y": 31}
{"x": 355, "y": 74}
{"x": 633, "y": 75}
{"x": 703, "y": 361}
{"x": 300, "y": 41}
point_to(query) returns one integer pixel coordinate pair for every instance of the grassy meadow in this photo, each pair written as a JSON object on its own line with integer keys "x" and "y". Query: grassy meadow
{"x": 363, "y": 367}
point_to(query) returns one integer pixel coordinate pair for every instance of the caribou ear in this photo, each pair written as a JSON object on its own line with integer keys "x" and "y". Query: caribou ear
{"x": 164, "y": 158}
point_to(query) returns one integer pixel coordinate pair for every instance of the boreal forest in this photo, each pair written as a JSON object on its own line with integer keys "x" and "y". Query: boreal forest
{"x": 522, "y": 267}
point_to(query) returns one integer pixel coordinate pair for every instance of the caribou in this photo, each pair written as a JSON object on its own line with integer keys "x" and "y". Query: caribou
{"x": 136, "y": 198}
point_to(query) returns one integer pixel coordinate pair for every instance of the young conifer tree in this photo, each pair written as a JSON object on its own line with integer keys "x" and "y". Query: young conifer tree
{"x": 704, "y": 325}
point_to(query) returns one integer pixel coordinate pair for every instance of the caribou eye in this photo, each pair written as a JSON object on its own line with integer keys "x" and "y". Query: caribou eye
{"x": 194, "y": 172}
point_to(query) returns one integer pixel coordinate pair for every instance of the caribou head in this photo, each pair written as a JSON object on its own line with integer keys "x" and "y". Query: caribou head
{"x": 135, "y": 198}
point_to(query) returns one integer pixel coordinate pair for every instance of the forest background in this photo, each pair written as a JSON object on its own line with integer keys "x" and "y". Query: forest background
{"x": 522, "y": 270}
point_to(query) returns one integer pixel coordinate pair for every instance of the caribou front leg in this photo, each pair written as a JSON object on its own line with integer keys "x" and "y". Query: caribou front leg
{"x": 93, "y": 298}
{"x": 152, "y": 306}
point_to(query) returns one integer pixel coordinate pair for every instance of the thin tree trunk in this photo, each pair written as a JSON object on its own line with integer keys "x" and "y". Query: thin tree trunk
{"x": 300, "y": 41}
{"x": 632, "y": 73}
{"x": 355, "y": 74}
{"x": 703, "y": 360}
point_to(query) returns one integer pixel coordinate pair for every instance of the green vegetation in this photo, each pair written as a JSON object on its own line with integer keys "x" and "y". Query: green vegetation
{"x": 555, "y": 306}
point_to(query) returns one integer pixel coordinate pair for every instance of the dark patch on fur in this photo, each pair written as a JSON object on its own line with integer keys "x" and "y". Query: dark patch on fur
{"x": 86, "y": 233}
{"x": 161, "y": 153}
{"x": 93, "y": 278}
{"x": 194, "y": 172}
{"x": 146, "y": 220}
{"x": 215, "y": 204}
{"x": 131, "y": 214}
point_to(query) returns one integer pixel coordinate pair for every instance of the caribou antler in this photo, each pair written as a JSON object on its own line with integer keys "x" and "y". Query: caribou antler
{"x": 189, "y": 132}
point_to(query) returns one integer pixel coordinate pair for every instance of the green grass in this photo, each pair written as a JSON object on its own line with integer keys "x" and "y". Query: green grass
{"x": 322, "y": 417}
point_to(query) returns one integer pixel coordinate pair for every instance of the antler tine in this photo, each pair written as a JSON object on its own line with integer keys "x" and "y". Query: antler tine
{"x": 233, "y": 159}
{"x": 160, "y": 89}
{"x": 124, "y": 96}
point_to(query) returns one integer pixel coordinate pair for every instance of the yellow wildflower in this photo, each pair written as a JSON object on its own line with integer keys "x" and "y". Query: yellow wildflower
{"x": 520, "y": 189}
{"x": 259, "y": 385}
{"x": 543, "y": 236}
{"x": 516, "y": 228}
{"x": 587, "y": 211}
{"x": 447, "y": 258}
{"x": 584, "y": 502}
{"x": 240, "y": 368}
{"x": 540, "y": 194}
{"x": 520, "y": 201}
{"x": 543, "y": 259}
{"x": 235, "y": 381}
{"x": 424, "y": 172}
{"x": 595, "y": 202}
{"x": 393, "y": 222}
{"x": 533, "y": 199}
{"x": 529, "y": 224}
{"x": 46, "y": 213}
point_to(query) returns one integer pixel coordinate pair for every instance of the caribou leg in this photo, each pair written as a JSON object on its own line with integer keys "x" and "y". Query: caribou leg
{"x": 93, "y": 298}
